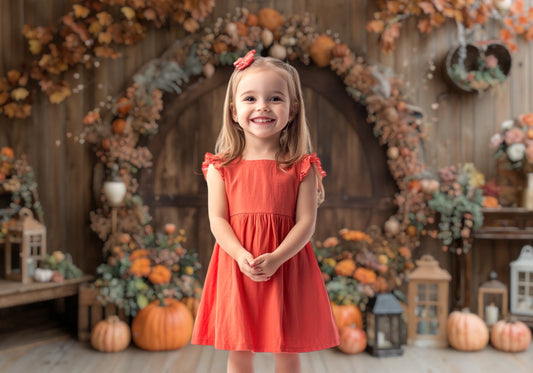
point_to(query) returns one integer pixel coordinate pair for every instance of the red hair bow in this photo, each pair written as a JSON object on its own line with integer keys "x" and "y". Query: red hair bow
{"x": 243, "y": 62}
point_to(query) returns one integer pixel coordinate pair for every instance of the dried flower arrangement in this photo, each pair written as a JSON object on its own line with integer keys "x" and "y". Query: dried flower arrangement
{"x": 18, "y": 180}
{"x": 387, "y": 22}
{"x": 143, "y": 267}
{"x": 514, "y": 144}
{"x": 89, "y": 32}
{"x": 357, "y": 265}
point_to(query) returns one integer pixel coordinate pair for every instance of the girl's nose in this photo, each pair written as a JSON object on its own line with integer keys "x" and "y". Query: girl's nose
{"x": 262, "y": 106}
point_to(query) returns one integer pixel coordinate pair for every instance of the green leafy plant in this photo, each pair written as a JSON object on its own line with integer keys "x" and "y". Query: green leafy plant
{"x": 458, "y": 204}
{"x": 58, "y": 261}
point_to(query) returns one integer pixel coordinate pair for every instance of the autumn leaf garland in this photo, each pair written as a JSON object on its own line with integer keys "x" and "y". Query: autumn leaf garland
{"x": 88, "y": 33}
{"x": 432, "y": 14}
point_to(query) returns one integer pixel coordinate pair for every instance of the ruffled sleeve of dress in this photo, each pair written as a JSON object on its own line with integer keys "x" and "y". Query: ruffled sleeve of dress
{"x": 306, "y": 163}
{"x": 215, "y": 161}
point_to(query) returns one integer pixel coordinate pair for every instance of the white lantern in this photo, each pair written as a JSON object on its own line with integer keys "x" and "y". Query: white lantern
{"x": 522, "y": 283}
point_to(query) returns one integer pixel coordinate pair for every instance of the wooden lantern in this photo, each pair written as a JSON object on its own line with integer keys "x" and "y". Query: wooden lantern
{"x": 492, "y": 300}
{"x": 427, "y": 311}
{"x": 25, "y": 245}
{"x": 522, "y": 283}
{"x": 384, "y": 326}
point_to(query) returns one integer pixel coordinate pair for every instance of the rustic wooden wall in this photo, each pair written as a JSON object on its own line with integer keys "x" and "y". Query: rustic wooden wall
{"x": 459, "y": 129}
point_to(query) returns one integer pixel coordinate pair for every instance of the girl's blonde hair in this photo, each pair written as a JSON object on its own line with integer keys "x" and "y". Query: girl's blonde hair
{"x": 295, "y": 139}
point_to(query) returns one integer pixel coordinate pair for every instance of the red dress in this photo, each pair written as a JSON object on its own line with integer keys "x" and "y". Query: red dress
{"x": 290, "y": 312}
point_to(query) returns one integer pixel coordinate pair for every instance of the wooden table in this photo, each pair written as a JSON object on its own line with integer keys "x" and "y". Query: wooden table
{"x": 14, "y": 293}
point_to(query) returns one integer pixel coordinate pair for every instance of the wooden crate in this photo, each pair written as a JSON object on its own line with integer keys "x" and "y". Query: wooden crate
{"x": 91, "y": 310}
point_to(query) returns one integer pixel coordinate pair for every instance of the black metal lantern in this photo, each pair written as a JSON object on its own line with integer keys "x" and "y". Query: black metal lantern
{"x": 384, "y": 326}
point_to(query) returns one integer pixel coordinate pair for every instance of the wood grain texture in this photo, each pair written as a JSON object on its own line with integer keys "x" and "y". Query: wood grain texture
{"x": 458, "y": 130}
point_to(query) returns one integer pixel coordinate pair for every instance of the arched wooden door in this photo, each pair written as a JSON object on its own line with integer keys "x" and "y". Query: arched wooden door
{"x": 359, "y": 188}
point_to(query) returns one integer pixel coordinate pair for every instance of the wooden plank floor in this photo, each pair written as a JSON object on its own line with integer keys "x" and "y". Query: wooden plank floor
{"x": 56, "y": 351}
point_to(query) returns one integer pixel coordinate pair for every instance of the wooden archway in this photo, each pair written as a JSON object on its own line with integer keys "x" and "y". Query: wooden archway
{"x": 359, "y": 187}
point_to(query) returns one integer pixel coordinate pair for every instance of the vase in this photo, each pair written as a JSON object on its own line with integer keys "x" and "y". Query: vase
{"x": 527, "y": 199}
{"x": 114, "y": 192}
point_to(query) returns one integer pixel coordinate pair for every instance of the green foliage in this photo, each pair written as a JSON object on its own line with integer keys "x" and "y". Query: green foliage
{"x": 63, "y": 264}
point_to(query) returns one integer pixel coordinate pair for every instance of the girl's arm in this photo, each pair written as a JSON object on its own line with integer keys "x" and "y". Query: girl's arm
{"x": 220, "y": 227}
{"x": 300, "y": 234}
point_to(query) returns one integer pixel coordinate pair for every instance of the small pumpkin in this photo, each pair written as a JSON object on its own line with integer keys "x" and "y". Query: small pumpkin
{"x": 320, "y": 50}
{"x": 118, "y": 125}
{"x": 192, "y": 303}
{"x": 110, "y": 335}
{"x": 347, "y": 314}
{"x": 353, "y": 340}
{"x": 162, "y": 325}
{"x": 270, "y": 19}
{"x": 466, "y": 331}
{"x": 7, "y": 152}
{"x": 124, "y": 106}
{"x": 392, "y": 226}
{"x": 490, "y": 202}
{"x": 345, "y": 267}
{"x": 510, "y": 336}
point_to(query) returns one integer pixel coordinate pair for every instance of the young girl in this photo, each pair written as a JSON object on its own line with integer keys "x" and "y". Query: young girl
{"x": 264, "y": 291}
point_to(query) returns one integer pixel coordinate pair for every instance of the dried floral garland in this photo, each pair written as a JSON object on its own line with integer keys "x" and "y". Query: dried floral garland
{"x": 88, "y": 33}
{"x": 387, "y": 22}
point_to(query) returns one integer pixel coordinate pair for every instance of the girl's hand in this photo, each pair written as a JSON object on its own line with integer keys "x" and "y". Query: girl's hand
{"x": 266, "y": 264}
{"x": 244, "y": 260}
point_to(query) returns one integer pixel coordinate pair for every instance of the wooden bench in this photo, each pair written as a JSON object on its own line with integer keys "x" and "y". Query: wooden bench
{"x": 14, "y": 293}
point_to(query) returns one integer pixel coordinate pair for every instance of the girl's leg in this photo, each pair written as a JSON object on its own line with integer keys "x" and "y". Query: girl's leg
{"x": 240, "y": 362}
{"x": 287, "y": 363}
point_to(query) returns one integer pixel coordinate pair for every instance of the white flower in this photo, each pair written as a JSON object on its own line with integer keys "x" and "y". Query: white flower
{"x": 508, "y": 124}
{"x": 516, "y": 152}
{"x": 496, "y": 140}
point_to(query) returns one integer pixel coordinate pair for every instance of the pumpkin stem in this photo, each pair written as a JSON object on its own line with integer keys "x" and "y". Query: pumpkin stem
{"x": 161, "y": 300}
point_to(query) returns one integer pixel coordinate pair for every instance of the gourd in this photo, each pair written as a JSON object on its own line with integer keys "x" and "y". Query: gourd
{"x": 353, "y": 340}
{"x": 110, "y": 335}
{"x": 320, "y": 50}
{"x": 162, "y": 325}
{"x": 510, "y": 336}
{"x": 347, "y": 314}
{"x": 43, "y": 275}
{"x": 466, "y": 331}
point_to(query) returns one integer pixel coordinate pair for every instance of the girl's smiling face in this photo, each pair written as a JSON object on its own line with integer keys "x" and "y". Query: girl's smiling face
{"x": 262, "y": 105}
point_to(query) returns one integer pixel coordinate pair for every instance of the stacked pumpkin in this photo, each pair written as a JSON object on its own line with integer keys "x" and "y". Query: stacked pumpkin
{"x": 160, "y": 326}
{"x": 468, "y": 332}
{"x": 348, "y": 317}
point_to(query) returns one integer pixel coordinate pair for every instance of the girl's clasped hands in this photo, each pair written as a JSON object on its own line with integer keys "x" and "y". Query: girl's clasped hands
{"x": 258, "y": 269}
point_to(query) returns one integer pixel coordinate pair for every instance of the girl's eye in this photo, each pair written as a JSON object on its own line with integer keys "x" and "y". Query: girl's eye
{"x": 277, "y": 98}
{"x": 249, "y": 99}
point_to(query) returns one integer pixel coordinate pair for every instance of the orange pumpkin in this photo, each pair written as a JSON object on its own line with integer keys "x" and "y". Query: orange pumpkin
{"x": 353, "y": 340}
{"x": 270, "y": 19}
{"x": 110, "y": 335}
{"x": 192, "y": 304}
{"x": 467, "y": 331}
{"x": 123, "y": 105}
{"x": 347, "y": 314}
{"x": 162, "y": 326}
{"x": 160, "y": 275}
{"x": 7, "y": 152}
{"x": 345, "y": 267}
{"x": 510, "y": 336}
{"x": 490, "y": 202}
{"x": 320, "y": 50}
{"x": 252, "y": 20}
{"x": 118, "y": 126}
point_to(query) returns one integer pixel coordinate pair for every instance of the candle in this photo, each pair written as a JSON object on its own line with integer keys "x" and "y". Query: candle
{"x": 381, "y": 339}
{"x": 491, "y": 314}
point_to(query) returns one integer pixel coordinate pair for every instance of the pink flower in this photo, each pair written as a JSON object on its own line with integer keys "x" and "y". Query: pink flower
{"x": 496, "y": 140}
{"x": 529, "y": 153}
{"x": 514, "y": 135}
{"x": 491, "y": 61}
